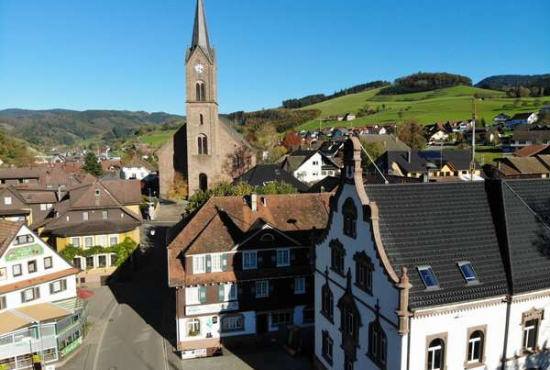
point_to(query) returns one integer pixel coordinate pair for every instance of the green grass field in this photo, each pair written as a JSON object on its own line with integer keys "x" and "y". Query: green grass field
{"x": 158, "y": 138}
{"x": 450, "y": 104}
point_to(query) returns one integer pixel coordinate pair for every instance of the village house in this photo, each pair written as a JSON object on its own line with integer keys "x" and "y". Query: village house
{"x": 501, "y": 119}
{"x": 241, "y": 270}
{"x": 137, "y": 169}
{"x": 526, "y": 135}
{"x": 532, "y": 150}
{"x": 100, "y": 214}
{"x": 521, "y": 119}
{"x": 310, "y": 166}
{"x": 515, "y": 167}
{"x": 40, "y": 314}
{"x": 264, "y": 174}
{"x": 392, "y": 291}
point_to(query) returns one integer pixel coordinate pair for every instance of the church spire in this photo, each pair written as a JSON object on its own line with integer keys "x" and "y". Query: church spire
{"x": 200, "y": 29}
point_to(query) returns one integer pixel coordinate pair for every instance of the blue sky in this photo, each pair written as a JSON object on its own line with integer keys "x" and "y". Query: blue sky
{"x": 128, "y": 54}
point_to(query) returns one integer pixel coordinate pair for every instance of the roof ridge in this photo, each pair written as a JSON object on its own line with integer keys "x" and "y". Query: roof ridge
{"x": 528, "y": 207}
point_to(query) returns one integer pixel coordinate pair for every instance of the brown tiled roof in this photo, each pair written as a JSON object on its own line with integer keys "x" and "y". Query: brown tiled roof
{"x": 37, "y": 280}
{"x": 127, "y": 192}
{"x": 545, "y": 159}
{"x": 527, "y": 165}
{"x": 224, "y": 222}
{"x": 530, "y": 150}
{"x": 138, "y": 162}
{"x": 8, "y": 230}
{"x": 99, "y": 227}
{"x": 20, "y": 173}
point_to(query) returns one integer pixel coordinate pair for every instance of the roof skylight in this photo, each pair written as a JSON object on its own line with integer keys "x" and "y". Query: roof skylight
{"x": 428, "y": 277}
{"x": 467, "y": 271}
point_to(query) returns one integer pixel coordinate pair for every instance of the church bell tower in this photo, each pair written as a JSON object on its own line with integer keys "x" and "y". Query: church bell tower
{"x": 202, "y": 126}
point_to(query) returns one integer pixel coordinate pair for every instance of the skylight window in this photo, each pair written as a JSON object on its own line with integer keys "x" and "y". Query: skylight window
{"x": 428, "y": 277}
{"x": 467, "y": 271}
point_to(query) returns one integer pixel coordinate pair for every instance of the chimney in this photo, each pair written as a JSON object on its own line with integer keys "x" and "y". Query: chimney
{"x": 254, "y": 202}
{"x": 409, "y": 156}
{"x": 58, "y": 193}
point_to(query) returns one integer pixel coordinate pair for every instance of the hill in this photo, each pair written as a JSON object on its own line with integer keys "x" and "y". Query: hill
{"x": 453, "y": 103}
{"x": 539, "y": 84}
{"x": 58, "y": 127}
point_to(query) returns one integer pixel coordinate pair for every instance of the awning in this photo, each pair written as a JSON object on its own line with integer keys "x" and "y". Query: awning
{"x": 21, "y": 317}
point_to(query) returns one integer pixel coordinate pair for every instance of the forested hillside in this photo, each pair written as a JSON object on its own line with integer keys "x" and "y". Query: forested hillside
{"x": 518, "y": 85}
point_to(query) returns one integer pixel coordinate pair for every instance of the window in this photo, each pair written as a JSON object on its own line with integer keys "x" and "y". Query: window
{"x": 250, "y": 260}
{"x": 58, "y": 286}
{"x": 350, "y": 318}
{"x": 105, "y": 215}
{"x": 327, "y": 303}
{"x": 363, "y": 272}
{"x": 428, "y": 277}
{"x": 227, "y": 292}
{"x": 97, "y": 192}
{"x": 23, "y": 239}
{"x": 350, "y": 218}
{"x": 476, "y": 343}
{"x": 262, "y": 289}
{"x": 468, "y": 272}
{"x": 326, "y": 347}
{"x": 337, "y": 256}
{"x": 199, "y": 265}
{"x": 216, "y": 260}
{"x": 200, "y": 92}
{"x": 113, "y": 259}
{"x": 315, "y": 163}
{"x": 102, "y": 240}
{"x": 348, "y": 363}
{"x": 85, "y": 216}
{"x": 267, "y": 238}
{"x": 48, "y": 263}
{"x": 193, "y": 327}
{"x": 202, "y": 144}
{"x": 30, "y": 294}
{"x": 75, "y": 242}
{"x": 283, "y": 257}
{"x": 77, "y": 262}
{"x": 7, "y": 201}
{"x": 436, "y": 354}
{"x": 113, "y": 240}
{"x": 281, "y": 318}
{"x": 89, "y": 241}
{"x": 31, "y": 266}
{"x": 309, "y": 315}
{"x": 3, "y": 304}
{"x": 531, "y": 322}
{"x": 201, "y": 119}
{"x": 90, "y": 262}
{"x": 300, "y": 285}
{"x": 195, "y": 295}
{"x": 16, "y": 270}
{"x": 102, "y": 260}
{"x": 378, "y": 344}
{"x": 232, "y": 323}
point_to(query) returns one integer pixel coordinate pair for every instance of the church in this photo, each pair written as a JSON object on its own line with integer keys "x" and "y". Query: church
{"x": 206, "y": 150}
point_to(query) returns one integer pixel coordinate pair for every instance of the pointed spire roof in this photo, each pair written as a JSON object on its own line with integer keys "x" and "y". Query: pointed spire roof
{"x": 200, "y": 29}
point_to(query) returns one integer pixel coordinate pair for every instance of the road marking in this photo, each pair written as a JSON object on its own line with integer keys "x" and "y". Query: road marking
{"x": 103, "y": 334}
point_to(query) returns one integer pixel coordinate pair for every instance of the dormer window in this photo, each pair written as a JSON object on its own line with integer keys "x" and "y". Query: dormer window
{"x": 468, "y": 272}
{"x": 428, "y": 277}
{"x": 97, "y": 192}
{"x": 267, "y": 238}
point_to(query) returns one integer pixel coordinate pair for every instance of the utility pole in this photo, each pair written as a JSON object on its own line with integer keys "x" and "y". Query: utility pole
{"x": 473, "y": 163}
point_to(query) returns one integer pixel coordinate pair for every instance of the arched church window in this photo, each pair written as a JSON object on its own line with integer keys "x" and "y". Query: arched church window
{"x": 200, "y": 91}
{"x": 202, "y": 143}
{"x": 203, "y": 182}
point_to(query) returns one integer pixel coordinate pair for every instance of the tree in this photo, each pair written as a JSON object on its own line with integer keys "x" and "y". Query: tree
{"x": 92, "y": 165}
{"x": 412, "y": 134}
{"x": 291, "y": 140}
{"x": 237, "y": 163}
{"x": 179, "y": 189}
{"x": 374, "y": 149}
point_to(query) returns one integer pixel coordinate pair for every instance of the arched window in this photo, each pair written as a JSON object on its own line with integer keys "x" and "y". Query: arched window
{"x": 201, "y": 120}
{"x": 378, "y": 345}
{"x": 203, "y": 182}
{"x": 193, "y": 327}
{"x": 267, "y": 238}
{"x": 202, "y": 144}
{"x": 327, "y": 302}
{"x": 200, "y": 91}
{"x": 476, "y": 343}
{"x": 436, "y": 354}
{"x": 350, "y": 320}
{"x": 350, "y": 218}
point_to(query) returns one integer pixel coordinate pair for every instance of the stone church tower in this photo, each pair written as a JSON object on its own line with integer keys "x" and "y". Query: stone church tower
{"x": 203, "y": 154}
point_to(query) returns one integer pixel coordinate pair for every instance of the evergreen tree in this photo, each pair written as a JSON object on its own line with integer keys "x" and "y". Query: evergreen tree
{"x": 92, "y": 165}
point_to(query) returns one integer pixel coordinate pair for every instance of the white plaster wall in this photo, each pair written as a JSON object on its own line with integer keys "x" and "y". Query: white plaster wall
{"x": 139, "y": 172}
{"x": 384, "y": 293}
{"x": 13, "y": 299}
{"x": 515, "y": 334}
{"x": 306, "y": 171}
{"x": 456, "y": 326}
{"x": 207, "y": 326}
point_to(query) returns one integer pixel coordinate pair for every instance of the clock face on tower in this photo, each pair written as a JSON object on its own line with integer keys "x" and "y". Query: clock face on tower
{"x": 199, "y": 68}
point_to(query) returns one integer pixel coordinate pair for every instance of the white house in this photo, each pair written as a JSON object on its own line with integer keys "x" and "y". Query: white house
{"x": 136, "y": 169}
{"x": 310, "y": 166}
{"x": 39, "y": 309}
{"x": 433, "y": 276}
{"x": 522, "y": 119}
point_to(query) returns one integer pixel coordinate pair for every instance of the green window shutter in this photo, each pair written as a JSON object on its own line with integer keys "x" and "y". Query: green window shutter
{"x": 224, "y": 262}
{"x": 208, "y": 263}
{"x": 202, "y": 294}
{"x": 221, "y": 293}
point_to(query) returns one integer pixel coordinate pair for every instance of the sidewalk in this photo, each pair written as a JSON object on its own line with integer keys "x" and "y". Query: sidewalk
{"x": 99, "y": 308}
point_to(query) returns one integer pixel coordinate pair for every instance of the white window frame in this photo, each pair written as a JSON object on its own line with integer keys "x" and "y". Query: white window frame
{"x": 199, "y": 264}
{"x": 102, "y": 240}
{"x": 192, "y": 295}
{"x": 50, "y": 259}
{"x": 262, "y": 289}
{"x": 111, "y": 237}
{"x": 77, "y": 244}
{"x": 232, "y": 323}
{"x": 193, "y": 324}
{"x": 216, "y": 261}
{"x": 247, "y": 260}
{"x": 86, "y": 239}
{"x": 85, "y": 216}
{"x": 300, "y": 285}
{"x": 472, "y": 344}
{"x": 58, "y": 286}
{"x": 431, "y": 353}
{"x": 283, "y": 257}
{"x": 526, "y": 334}
{"x": 7, "y": 201}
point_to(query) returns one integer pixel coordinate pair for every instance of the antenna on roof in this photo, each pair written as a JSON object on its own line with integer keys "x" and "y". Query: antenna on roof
{"x": 375, "y": 166}
{"x": 473, "y": 163}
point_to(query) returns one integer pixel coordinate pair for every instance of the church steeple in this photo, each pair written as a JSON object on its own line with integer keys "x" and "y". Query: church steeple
{"x": 200, "y": 29}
